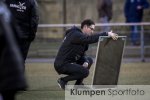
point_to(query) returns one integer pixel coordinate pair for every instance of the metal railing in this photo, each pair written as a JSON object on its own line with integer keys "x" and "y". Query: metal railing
{"x": 109, "y": 24}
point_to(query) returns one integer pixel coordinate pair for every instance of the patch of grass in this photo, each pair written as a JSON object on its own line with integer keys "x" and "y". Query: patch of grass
{"x": 42, "y": 80}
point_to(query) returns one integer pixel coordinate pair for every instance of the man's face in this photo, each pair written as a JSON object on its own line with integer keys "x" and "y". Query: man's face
{"x": 88, "y": 30}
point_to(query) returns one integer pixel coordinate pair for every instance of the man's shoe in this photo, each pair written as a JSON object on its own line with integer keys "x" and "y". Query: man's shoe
{"x": 61, "y": 83}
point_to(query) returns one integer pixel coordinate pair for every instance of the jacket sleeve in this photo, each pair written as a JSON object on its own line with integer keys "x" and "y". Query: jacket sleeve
{"x": 34, "y": 17}
{"x": 80, "y": 38}
{"x": 145, "y": 4}
{"x": 126, "y": 9}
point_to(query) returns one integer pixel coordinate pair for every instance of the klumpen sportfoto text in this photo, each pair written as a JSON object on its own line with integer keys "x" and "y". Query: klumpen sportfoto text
{"x": 107, "y": 92}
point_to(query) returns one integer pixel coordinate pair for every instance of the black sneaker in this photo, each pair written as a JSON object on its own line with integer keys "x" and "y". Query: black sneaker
{"x": 61, "y": 83}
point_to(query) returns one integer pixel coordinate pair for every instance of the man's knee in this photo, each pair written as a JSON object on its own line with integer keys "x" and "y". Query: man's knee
{"x": 85, "y": 73}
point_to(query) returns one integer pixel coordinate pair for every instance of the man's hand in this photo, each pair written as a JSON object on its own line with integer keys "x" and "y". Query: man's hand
{"x": 85, "y": 64}
{"x": 114, "y": 36}
{"x": 139, "y": 7}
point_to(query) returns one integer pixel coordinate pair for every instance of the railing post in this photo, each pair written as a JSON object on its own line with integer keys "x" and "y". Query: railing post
{"x": 142, "y": 44}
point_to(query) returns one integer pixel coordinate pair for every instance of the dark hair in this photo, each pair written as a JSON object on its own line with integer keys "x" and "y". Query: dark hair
{"x": 87, "y": 22}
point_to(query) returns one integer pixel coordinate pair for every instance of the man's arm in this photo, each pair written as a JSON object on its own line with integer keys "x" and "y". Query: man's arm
{"x": 145, "y": 4}
{"x": 34, "y": 17}
{"x": 126, "y": 9}
{"x": 80, "y": 38}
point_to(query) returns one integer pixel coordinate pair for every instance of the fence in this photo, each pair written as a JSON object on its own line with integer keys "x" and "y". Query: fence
{"x": 142, "y": 25}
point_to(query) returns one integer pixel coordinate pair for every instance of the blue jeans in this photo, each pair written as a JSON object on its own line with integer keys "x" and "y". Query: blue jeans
{"x": 135, "y": 34}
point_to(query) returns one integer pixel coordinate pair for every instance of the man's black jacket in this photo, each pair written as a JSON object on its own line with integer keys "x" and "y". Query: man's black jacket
{"x": 26, "y": 15}
{"x": 11, "y": 62}
{"x": 74, "y": 46}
